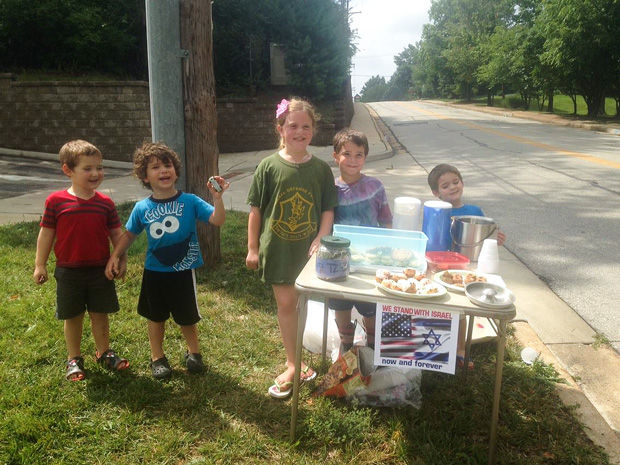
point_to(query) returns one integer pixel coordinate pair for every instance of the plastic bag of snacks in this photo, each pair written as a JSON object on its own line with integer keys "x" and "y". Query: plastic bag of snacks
{"x": 355, "y": 377}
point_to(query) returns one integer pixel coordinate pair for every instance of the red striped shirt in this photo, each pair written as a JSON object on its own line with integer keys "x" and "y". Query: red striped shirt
{"x": 82, "y": 228}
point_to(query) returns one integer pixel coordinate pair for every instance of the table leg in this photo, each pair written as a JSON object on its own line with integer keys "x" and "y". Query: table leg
{"x": 325, "y": 322}
{"x": 470, "y": 332}
{"x": 501, "y": 345}
{"x": 302, "y": 310}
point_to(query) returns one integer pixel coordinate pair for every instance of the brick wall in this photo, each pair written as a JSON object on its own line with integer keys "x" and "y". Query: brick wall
{"x": 115, "y": 116}
{"x": 42, "y": 116}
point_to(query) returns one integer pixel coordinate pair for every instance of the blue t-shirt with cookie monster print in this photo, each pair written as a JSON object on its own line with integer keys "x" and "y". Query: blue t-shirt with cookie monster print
{"x": 170, "y": 226}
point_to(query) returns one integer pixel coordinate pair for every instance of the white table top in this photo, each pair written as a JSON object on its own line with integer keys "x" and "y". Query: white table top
{"x": 363, "y": 287}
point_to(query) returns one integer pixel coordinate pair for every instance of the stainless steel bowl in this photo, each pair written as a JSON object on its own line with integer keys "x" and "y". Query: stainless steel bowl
{"x": 489, "y": 295}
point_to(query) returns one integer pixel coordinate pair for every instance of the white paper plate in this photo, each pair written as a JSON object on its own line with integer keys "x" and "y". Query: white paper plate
{"x": 408, "y": 295}
{"x": 452, "y": 287}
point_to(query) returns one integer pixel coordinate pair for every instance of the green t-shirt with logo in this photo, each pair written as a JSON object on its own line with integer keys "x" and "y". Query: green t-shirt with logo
{"x": 291, "y": 198}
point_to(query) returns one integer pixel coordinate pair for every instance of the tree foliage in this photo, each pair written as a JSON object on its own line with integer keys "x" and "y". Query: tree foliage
{"x": 81, "y": 36}
{"x": 73, "y": 35}
{"x": 374, "y": 89}
{"x": 529, "y": 47}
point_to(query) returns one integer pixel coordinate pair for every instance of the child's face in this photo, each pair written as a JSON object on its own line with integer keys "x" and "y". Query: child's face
{"x": 350, "y": 159}
{"x": 161, "y": 176}
{"x": 450, "y": 189}
{"x": 296, "y": 132}
{"x": 86, "y": 175}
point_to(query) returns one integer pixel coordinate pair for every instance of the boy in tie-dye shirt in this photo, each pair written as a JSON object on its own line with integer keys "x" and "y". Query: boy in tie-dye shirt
{"x": 361, "y": 202}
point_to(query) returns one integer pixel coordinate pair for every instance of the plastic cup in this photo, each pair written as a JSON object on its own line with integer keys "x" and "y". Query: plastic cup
{"x": 488, "y": 260}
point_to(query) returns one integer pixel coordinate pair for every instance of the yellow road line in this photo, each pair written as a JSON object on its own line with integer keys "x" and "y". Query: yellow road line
{"x": 540, "y": 145}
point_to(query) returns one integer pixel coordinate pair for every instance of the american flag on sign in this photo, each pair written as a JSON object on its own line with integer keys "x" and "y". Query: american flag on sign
{"x": 408, "y": 337}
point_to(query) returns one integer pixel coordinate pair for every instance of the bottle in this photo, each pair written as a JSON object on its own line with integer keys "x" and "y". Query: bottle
{"x": 333, "y": 258}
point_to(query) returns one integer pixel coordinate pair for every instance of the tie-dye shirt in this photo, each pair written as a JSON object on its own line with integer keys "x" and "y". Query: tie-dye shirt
{"x": 363, "y": 203}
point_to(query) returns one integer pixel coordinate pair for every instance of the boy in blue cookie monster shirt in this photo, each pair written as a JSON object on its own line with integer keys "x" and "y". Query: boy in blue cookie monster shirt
{"x": 168, "y": 284}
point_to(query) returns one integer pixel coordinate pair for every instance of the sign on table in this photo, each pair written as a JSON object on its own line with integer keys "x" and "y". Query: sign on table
{"x": 416, "y": 336}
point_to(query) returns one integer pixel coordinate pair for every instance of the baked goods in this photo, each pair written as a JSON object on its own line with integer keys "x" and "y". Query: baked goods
{"x": 409, "y": 281}
{"x": 461, "y": 279}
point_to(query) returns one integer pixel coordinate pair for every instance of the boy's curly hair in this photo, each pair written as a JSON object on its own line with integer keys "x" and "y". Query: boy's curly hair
{"x": 350, "y": 135}
{"x": 71, "y": 152}
{"x": 438, "y": 171}
{"x": 146, "y": 151}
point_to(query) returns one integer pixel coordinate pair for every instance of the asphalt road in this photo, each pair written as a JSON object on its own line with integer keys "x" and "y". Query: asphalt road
{"x": 20, "y": 175}
{"x": 555, "y": 191}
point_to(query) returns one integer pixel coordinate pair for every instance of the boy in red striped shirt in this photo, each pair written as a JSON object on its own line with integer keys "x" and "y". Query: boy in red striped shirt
{"x": 79, "y": 223}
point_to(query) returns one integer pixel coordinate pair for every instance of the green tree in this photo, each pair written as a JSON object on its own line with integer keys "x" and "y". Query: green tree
{"x": 400, "y": 84}
{"x": 73, "y": 36}
{"x": 581, "y": 44}
{"x": 467, "y": 25}
{"x": 374, "y": 89}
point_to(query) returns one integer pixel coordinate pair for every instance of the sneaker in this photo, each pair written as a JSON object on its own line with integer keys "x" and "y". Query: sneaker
{"x": 194, "y": 363}
{"x": 160, "y": 368}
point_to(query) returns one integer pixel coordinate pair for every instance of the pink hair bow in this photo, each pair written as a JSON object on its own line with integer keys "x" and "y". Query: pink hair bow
{"x": 282, "y": 108}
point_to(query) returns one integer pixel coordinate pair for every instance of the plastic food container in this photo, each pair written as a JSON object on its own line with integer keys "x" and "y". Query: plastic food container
{"x": 446, "y": 260}
{"x": 391, "y": 249}
{"x": 333, "y": 258}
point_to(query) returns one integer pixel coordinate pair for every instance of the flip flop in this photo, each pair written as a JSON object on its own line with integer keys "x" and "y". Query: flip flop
{"x": 460, "y": 362}
{"x": 276, "y": 391}
{"x": 304, "y": 376}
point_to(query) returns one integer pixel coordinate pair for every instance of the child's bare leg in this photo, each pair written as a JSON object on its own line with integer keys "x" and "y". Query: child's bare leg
{"x": 156, "y": 331}
{"x": 100, "y": 327}
{"x": 343, "y": 317}
{"x": 460, "y": 346}
{"x": 190, "y": 333}
{"x": 286, "y": 300}
{"x": 346, "y": 329}
{"x": 369, "y": 327}
{"x": 73, "y": 335}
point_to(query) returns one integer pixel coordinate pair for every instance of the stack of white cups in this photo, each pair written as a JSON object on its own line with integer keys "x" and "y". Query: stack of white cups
{"x": 488, "y": 259}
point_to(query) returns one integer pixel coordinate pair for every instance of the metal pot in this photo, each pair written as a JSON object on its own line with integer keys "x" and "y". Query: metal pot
{"x": 468, "y": 232}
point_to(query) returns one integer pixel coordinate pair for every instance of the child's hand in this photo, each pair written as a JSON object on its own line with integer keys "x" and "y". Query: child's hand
{"x": 221, "y": 183}
{"x": 112, "y": 269}
{"x": 122, "y": 266}
{"x": 501, "y": 238}
{"x": 40, "y": 274}
{"x": 251, "y": 260}
{"x": 314, "y": 246}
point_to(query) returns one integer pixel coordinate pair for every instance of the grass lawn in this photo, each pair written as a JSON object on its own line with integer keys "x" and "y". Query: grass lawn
{"x": 225, "y": 416}
{"x": 562, "y": 105}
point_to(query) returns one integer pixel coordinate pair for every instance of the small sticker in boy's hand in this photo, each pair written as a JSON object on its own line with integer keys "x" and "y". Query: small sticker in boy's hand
{"x": 215, "y": 184}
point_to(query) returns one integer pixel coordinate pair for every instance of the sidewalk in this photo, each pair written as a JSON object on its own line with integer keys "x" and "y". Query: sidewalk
{"x": 544, "y": 322}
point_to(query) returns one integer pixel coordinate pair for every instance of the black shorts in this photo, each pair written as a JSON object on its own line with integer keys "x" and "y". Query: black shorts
{"x": 367, "y": 309}
{"x": 169, "y": 293}
{"x": 81, "y": 289}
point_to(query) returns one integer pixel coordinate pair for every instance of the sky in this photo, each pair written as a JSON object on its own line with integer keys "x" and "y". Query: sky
{"x": 384, "y": 29}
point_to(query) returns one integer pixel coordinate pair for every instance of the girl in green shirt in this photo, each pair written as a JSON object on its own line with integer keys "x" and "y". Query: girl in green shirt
{"x": 292, "y": 200}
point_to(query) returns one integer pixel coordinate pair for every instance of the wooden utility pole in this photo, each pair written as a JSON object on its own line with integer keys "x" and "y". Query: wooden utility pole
{"x": 201, "y": 149}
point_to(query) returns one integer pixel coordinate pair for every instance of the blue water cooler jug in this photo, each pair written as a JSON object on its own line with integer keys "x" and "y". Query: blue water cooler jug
{"x": 436, "y": 225}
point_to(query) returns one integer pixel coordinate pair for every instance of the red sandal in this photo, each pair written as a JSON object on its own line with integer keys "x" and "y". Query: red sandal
{"x": 111, "y": 361}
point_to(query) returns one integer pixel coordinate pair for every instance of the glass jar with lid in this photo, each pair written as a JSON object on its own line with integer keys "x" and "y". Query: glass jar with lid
{"x": 333, "y": 258}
